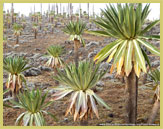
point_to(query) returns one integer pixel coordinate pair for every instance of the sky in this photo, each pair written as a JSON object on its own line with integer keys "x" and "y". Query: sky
{"x": 26, "y": 8}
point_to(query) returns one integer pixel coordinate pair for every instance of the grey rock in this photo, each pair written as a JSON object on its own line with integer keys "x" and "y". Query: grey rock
{"x": 92, "y": 54}
{"x": 100, "y": 83}
{"x": 32, "y": 72}
{"x": 70, "y": 52}
{"x": 8, "y": 46}
{"x": 16, "y": 46}
{"x": 23, "y": 41}
{"x": 30, "y": 54}
{"x": 65, "y": 119}
{"x": 108, "y": 76}
{"x": 155, "y": 63}
{"x": 11, "y": 39}
{"x": 5, "y": 74}
{"x": 146, "y": 50}
{"x": 151, "y": 58}
{"x": 52, "y": 91}
{"x": 99, "y": 88}
{"x": 92, "y": 43}
{"x": 37, "y": 56}
{"x": 44, "y": 68}
{"x": 105, "y": 66}
{"x": 157, "y": 44}
{"x": 8, "y": 54}
{"x": 42, "y": 85}
{"x": 37, "y": 49}
{"x": 22, "y": 54}
{"x": 30, "y": 85}
{"x": 158, "y": 68}
{"x": 43, "y": 59}
{"x": 67, "y": 42}
{"x": 45, "y": 85}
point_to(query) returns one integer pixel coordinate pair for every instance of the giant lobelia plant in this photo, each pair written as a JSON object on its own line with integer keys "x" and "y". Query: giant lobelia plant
{"x": 79, "y": 81}
{"x": 15, "y": 66}
{"x": 125, "y": 23}
{"x": 34, "y": 103}
{"x": 17, "y": 31}
{"x": 76, "y": 30}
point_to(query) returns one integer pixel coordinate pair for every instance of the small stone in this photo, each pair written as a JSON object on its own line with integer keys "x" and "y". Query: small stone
{"x": 22, "y": 54}
{"x": 98, "y": 89}
{"x": 16, "y": 46}
{"x": 70, "y": 52}
{"x": 156, "y": 63}
{"x": 66, "y": 119}
{"x": 37, "y": 49}
{"x": 8, "y": 46}
{"x": 92, "y": 54}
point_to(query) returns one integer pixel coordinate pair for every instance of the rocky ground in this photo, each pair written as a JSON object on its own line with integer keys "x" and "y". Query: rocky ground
{"x": 109, "y": 88}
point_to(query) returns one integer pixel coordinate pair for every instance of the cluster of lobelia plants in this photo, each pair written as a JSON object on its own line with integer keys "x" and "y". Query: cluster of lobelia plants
{"x": 124, "y": 23}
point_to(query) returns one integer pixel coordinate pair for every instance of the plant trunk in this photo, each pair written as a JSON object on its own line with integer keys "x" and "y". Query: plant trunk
{"x": 76, "y": 54}
{"x": 14, "y": 96}
{"x": 15, "y": 20}
{"x": 123, "y": 79}
{"x": 88, "y": 11}
{"x": 155, "y": 109}
{"x": 17, "y": 39}
{"x": 55, "y": 73}
{"x": 35, "y": 34}
{"x": 12, "y": 21}
{"x": 131, "y": 99}
{"x": 52, "y": 20}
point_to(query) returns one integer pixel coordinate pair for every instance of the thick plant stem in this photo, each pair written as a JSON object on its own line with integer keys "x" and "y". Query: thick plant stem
{"x": 123, "y": 80}
{"x": 52, "y": 30}
{"x": 14, "y": 96}
{"x": 55, "y": 73}
{"x": 17, "y": 39}
{"x": 35, "y": 33}
{"x": 155, "y": 109}
{"x": 52, "y": 20}
{"x": 131, "y": 100}
{"x": 76, "y": 54}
